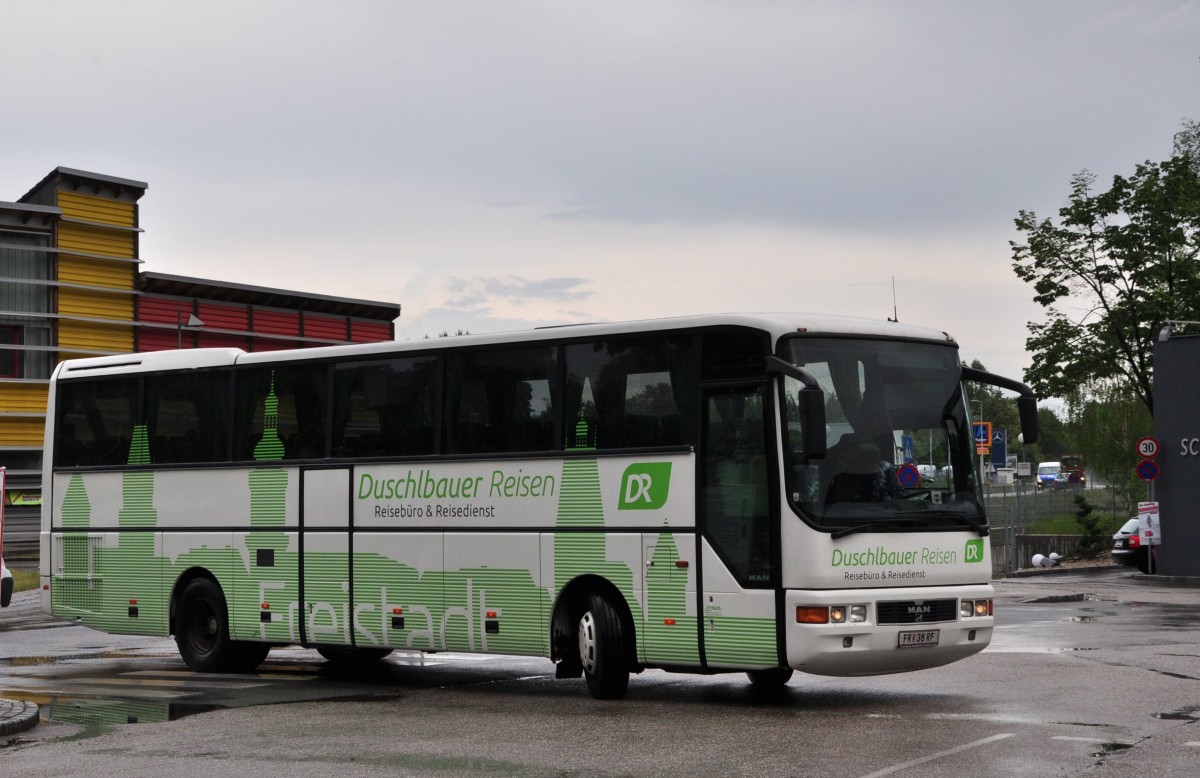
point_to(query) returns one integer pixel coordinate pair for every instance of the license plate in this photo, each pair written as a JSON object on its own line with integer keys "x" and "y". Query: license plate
{"x": 918, "y": 639}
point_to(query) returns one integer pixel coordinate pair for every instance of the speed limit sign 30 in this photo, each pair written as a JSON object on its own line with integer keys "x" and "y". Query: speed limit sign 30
{"x": 1147, "y": 447}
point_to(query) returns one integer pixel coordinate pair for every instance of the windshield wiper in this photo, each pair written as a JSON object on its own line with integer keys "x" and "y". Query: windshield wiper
{"x": 870, "y": 525}
{"x": 961, "y": 519}
{"x": 915, "y": 519}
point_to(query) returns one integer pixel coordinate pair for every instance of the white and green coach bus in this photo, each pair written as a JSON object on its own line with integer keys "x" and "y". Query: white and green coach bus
{"x": 702, "y": 494}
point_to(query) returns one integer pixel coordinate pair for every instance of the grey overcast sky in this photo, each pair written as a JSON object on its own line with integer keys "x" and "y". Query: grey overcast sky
{"x": 500, "y": 165}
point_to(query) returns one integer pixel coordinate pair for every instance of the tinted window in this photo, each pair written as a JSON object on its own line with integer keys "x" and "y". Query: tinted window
{"x": 631, "y": 392}
{"x": 384, "y": 408}
{"x": 280, "y": 413}
{"x": 730, "y": 354}
{"x": 500, "y": 401}
{"x": 95, "y": 422}
{"x": 187, "y": 417}
{"x": 736, "y": 497}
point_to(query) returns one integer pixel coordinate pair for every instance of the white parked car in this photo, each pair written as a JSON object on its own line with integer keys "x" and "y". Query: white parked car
{"x": 6, "y": 585}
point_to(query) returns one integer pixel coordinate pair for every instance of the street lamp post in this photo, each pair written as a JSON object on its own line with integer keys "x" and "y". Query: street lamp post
{"x": 193, "y": 321}
{"x": 978, "y": 450}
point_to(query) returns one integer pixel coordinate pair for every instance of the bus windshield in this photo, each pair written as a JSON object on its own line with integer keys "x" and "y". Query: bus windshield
{"x": 898, "y": 447}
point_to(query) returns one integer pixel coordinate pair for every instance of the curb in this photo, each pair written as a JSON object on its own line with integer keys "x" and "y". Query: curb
{"x": 17, "y": 716}
{"x": 1035, "y": 572}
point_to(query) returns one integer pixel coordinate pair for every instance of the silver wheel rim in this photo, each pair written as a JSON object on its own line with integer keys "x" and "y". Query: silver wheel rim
{"x": 587, "y": 642}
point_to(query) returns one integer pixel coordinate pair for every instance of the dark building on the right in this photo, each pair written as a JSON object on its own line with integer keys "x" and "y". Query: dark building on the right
{"x": 1177, "y": 427}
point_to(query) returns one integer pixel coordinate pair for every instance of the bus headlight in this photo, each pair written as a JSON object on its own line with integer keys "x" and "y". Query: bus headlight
{"x": 833, "y": 614}
{"x": 974, "y": 608}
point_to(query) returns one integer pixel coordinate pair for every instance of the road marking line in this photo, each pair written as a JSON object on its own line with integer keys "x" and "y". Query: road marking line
{"x": 1081, "y": 739}
{"x": 938, "y": 755}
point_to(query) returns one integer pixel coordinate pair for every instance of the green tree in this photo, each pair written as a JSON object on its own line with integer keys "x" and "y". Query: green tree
{"x": 1108, "y": 425}
{"x": 1054, "y": 438}
{"x": 1092, "y": 538}
{"x": 1115, "y": 266}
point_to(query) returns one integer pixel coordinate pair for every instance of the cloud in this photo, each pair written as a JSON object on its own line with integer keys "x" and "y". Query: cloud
{"x": 505, "y": 166}
{"x": 485, "y": 292}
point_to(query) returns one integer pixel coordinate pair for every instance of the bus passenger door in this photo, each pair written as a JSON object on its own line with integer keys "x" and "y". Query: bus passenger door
{"x": 739, "y": 537}
{"x": 325, "y": 564}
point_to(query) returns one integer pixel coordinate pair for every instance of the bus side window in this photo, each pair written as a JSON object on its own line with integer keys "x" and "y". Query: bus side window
{"x": 187, "y": 417}
{"x": 95, "y": 422}
{"x": 634, "y": 393}
{"x": 293, "y": 396}
{"x": 500, "y": 401}
{"x": 384, "y": 408}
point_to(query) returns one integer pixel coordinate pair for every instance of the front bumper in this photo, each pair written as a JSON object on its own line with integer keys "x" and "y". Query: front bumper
{"x": 870, "y": 648}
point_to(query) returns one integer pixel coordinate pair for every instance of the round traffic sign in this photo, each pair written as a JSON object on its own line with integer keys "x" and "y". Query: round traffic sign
{"x": 1147, "y": 447}
{"x": 908, "y": 475}
{"x": 1147, "y": 470}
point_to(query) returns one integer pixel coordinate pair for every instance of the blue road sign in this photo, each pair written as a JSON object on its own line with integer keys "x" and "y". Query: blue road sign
{"x": 1147, "y": 470}
{"x": 1000, "y": 447}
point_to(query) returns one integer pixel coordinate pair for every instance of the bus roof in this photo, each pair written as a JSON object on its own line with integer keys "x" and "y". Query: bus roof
{"x": 777, "y": 324}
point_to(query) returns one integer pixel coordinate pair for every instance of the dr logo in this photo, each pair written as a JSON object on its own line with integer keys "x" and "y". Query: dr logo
{"x": 644, "y": 486}
{"x": 974, "y": 551}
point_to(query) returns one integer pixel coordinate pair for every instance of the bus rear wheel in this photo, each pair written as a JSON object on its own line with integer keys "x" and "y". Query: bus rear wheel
{"x": 604, "y": 650}
{"x": 202, "y": 632}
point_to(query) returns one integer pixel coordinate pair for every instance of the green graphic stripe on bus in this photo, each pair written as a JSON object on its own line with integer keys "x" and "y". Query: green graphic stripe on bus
{"x": 76, "y": 508}
{"x": 580, "y": 505}
{"x": 738, "y": 641}
{"x": 470, "y": 609}
{"x": 270, "y": 446}
{"x": 670, "y": 634}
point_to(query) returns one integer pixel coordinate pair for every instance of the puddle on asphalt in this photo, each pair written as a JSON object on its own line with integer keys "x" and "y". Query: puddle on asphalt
{"x": 1108, "y": 749}
{"x": 1184, "y": 714}
{"x": 995, "y": 649}
{"x": 96, "y": 717}
{"x": 29, "y": 661}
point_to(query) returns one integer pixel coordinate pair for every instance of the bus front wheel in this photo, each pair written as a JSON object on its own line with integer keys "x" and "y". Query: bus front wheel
{"x": 202, "y": 632}
{"x": 770, "y": 679}
{"x": 604, "y": 650}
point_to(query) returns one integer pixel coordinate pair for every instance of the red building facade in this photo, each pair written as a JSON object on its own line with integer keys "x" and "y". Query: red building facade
{"x": 179, "y": 312}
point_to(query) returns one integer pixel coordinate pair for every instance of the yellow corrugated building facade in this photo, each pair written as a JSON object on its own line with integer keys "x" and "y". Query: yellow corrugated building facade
{"x": 70, "y": 287}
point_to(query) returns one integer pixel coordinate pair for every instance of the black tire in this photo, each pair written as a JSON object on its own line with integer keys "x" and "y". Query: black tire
{"x": 770, "y": 679}
{"x": 247, "y": 656}
{"x": 343, "y": 655}
{"x": 202, "y": 632}
{"x": 604, "y": 649}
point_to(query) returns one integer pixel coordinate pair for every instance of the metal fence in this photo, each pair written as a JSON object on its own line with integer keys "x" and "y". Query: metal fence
{"x": 1016, "y": 510}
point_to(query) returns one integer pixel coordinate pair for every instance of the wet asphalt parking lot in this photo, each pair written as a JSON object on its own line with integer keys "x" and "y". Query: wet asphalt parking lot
{"x": 1089, "y": 673}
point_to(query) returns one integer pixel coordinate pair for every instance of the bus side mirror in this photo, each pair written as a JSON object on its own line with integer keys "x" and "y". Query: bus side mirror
{"x": 1027, "y": 407}
{"x": 812, "y": 416}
